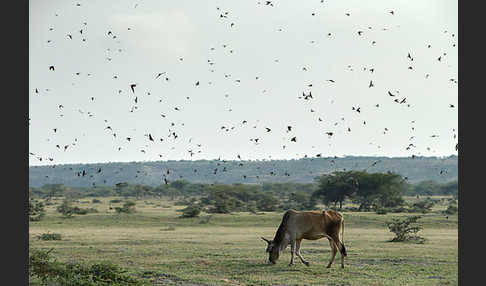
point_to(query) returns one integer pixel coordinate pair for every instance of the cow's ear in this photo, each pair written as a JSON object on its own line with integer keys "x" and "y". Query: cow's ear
{"x": 266, "y": 240}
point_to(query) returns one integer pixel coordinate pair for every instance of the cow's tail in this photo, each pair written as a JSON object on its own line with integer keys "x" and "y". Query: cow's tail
{"x": 342, "y": 249}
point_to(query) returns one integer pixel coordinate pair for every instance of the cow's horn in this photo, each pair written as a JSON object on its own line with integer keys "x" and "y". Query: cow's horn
{"x": 265, "y": 239}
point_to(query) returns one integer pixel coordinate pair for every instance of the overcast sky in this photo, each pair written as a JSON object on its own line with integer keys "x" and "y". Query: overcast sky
{"x": 253, "y": 62}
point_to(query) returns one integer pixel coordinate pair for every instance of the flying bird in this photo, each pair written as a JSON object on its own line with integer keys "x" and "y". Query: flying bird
{"x": 51, "y": 68}
{"x": 132, "y": 86}
{"x": 371, "y": 84}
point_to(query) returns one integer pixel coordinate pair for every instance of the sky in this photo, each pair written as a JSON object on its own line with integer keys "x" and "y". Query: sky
{"x": 231, "y": 69}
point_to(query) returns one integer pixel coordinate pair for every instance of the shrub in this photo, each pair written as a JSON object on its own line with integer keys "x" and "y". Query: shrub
{"x": 206, "y": 219}
{"x": 400, "y": 209}
{"x": 81, "y": 211}
{"x": 65, "y": 208}
{"x": 423, "y": 206}
{"x": 96, "y": 201}
{"x": 267, "y": 203}
{"x": 115, "y": 201}
{"x": 128, "y": 207}
{"x": 51, "y": 272}
{"x": 404, "y": 230}
{"x": 451, "y": 209}
{"x": 36, "y": 210}
{"x": 381, "y": 211}
{"x": 192, "y": 210}
{"x": 49, "y": 236}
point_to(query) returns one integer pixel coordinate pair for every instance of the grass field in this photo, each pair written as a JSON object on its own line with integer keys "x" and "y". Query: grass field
{"x": 155, "y": 243}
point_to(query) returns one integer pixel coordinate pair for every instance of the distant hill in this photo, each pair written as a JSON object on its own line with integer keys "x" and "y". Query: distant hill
{"x": 228, "y": 172}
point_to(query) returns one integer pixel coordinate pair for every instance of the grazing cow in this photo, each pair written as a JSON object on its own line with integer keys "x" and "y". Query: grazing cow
{"x": 312, "y": 225}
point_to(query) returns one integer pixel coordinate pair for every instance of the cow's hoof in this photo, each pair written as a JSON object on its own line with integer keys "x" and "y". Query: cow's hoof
{"x": 290, "y": 264}
{"x": 329, "y": 266}
{"x": 306, "y": 263}
{"x": 342, "y": 266}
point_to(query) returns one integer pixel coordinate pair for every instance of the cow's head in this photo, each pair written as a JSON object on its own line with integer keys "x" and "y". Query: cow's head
{"x": 273, "y": 251}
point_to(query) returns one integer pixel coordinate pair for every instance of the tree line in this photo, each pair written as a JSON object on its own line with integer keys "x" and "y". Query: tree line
{"x": 370, "y": 191}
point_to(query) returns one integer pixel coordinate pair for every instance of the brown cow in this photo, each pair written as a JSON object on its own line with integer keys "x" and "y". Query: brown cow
{"x": 312, "y": 225}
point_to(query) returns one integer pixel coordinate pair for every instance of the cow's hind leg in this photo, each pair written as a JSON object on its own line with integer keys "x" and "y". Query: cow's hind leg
{"x": 297, "y": 252}
{"x": 341, "y": 249}
{"x": 292, "y": 252}
{"x": 333, "y": 254}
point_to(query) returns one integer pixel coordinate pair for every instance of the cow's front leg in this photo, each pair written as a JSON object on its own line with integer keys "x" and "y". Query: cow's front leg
{"x": 297, "y": 252}
{"x": 292, "y": 252}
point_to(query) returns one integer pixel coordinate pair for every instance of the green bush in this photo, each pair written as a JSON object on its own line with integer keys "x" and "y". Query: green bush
{"x": 96, "y": 201}
{"x": 404, "y": 230}
{"x": 36, "y": 210}
{"x": 128, "y": 207}
{"x": 192, "y": 210}
{"x": 81, "y": 211}
{"x": 400, "y": 209}
{"x": 115, "y": 201}
{"x": 49, "y": 236}
{"x": 66, "y": 208}
{"x": 382, "y": 211}
{"x": 451, "y": 209}
{"x": 45, "y": 269}
{"x": 423, "y": 206}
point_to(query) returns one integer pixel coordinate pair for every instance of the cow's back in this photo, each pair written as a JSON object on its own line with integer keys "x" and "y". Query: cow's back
{"x": 306, "y": 224}
{"x": 332, "y": 221}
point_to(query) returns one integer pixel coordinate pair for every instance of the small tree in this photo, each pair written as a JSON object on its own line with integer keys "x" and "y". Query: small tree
{"x": 128, "y": 207}
{"x": 424, "y": 206}
{"x": 404, "y": 230}
{"x": 451, "y": 209}
{"x": 192, "y": 210}
{"x": 267, "y": 203}
{"x": 36, "y": 210}
{"x": 66, "y": 208}
{"x": 299, "y": 201}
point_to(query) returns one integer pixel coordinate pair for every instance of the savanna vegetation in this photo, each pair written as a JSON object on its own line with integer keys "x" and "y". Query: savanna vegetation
{"x": 209, "y": 234}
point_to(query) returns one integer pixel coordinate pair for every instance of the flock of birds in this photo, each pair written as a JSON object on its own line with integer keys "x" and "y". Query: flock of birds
{"x": 136, "y": 92}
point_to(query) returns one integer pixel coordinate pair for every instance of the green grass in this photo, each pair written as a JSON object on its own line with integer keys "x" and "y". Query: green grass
{"x": 228, "y": 250}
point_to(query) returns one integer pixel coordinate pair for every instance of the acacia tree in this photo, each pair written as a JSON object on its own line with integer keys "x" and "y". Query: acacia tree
{"x": 368, "y": 190}
{"x": 335, "y": 187}
{"x": 379, "y": 190}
